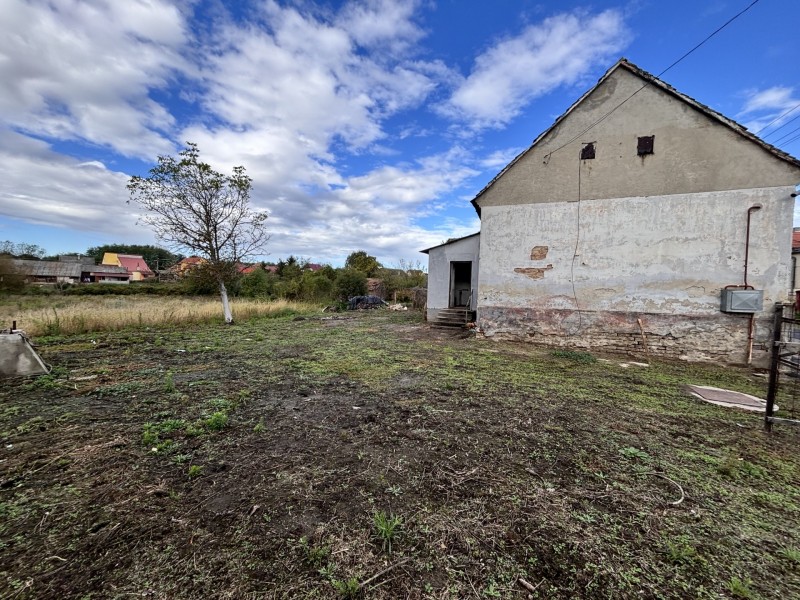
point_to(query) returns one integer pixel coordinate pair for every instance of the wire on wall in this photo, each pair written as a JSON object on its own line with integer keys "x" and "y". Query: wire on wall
{"x": 577, "y": 244}
{"x": 647, "y": 83}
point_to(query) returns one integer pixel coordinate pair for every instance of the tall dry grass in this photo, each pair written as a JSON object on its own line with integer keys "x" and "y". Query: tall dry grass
{"x": 83, "y": 314}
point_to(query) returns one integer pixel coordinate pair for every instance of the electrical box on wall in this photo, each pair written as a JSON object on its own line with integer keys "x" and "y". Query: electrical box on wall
{"x": 742, "y": 301}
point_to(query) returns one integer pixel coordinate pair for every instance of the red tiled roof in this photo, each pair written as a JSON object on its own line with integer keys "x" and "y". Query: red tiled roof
{"x": 134, "y": 263}
{"x": 192, "y": 260}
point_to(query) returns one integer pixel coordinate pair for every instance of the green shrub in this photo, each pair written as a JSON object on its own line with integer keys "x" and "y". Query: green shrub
{"x": 349, "y": 283}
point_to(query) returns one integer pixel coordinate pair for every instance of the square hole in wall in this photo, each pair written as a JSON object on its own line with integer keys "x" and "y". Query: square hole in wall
{"x": 587, "y": 152}
{"x": 645, "y": 145}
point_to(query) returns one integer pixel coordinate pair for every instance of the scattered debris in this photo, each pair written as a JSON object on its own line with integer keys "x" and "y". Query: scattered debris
{"x": 397, "y": 307}
{"x": 365, "y": 302}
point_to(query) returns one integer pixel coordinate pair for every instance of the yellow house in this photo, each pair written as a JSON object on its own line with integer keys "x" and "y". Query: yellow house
{"x": 135, "y": 265}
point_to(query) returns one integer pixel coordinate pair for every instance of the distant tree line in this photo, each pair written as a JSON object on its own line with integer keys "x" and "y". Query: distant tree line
{"x": 293, "y": 278}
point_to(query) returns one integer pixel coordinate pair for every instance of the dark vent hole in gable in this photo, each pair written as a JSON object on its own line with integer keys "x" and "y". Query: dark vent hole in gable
{"x": 645, "y": 145}
{"x": 587, "y": 152}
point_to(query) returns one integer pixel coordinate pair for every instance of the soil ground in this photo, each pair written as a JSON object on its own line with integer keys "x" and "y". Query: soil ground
{"x": 370, "y": 456}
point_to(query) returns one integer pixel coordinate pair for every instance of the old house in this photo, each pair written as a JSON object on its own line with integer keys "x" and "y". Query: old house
{"x": 641, "y": 220}
{"x": 72, "y": 270}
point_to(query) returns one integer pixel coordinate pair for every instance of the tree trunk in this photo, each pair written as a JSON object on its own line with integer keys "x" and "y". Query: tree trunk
{"x": 226, "y": 307}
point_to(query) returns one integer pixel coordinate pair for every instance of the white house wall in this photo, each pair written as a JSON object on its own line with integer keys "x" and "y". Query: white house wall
{"x": 584, "y": 274}
{"x": 439, "y": 259}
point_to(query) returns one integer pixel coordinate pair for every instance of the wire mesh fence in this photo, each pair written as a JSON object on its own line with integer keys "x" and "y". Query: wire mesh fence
{"x": 783, "y": 395}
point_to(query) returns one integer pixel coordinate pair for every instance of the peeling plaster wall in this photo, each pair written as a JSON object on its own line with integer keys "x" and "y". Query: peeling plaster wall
{"x": 439, "y": 260}
{"x": 661, "y": 259}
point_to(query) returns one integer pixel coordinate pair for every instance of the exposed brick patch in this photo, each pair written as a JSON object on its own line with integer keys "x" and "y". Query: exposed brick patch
{"x": 539, "y": 252}
{"x": 533, "y": 272}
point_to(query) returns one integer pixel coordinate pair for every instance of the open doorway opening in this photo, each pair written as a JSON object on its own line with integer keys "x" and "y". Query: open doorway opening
{"x": 460, "y": 284}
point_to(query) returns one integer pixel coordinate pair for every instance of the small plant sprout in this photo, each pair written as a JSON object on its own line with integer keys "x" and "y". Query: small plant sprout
{"x": 169, "y": 382}
{"x": 631, "y": 452}
{"x": 195, "y": 471}
{"x": 741, "y": 589}
{"x": 216, "y": 421}
{"x": 790, "y": 554}
{"x": 259, "y": 426}
{"x": 387, "y": 527}
{"x": 346, "y": 588}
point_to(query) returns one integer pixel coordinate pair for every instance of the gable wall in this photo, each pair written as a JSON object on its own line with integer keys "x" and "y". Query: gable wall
{"x": 693, "y": 153}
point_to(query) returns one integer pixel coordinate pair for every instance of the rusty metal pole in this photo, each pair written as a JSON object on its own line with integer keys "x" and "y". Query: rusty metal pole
{"x": 772, "y": 390}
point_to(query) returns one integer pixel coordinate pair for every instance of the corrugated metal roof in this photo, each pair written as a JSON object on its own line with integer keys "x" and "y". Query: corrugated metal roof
{"x": 48, "y": 268}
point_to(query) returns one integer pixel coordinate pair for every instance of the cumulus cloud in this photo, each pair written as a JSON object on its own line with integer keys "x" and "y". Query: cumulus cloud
{"x": 769, "y": 110}
{"x": 561, "y": 50}
{"x": 310, "y": 100}
{"x": 84, "y": 70}
{"x": 44, "y": 187}
{"x": 381, "y": 24}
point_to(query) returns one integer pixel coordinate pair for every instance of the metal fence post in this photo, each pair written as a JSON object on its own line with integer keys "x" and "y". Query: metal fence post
{"x": 772, "y": 390}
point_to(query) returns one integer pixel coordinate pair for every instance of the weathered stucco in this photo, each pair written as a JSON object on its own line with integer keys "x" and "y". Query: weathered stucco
{"x": 692, "y": 152}
{"x": 439, "y": 260}
{"x": 662, "y": 259}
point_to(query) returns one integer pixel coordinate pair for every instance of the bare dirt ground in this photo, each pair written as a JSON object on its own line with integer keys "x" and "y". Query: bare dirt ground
{"x": 369, "y": 456}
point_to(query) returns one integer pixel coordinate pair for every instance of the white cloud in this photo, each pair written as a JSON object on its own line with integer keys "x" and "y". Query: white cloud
{"x": 500, "y": 158}
{"x": 83, "y": 70}
{"x": 290, "y": 93}
{"x": 381, "y": 24}
{"x": 768, "y": 109}
{"x": 559, "y": 51}
{"x": 41, "y": 186}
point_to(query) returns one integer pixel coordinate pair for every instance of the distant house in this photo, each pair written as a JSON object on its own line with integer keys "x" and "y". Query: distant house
{"x": 640, "y": 221}
{"x": 189, "y": 263}
{"x": 135, "y": 265}
{"x": 69, "y": 271}
{"x": 247, "y": 269}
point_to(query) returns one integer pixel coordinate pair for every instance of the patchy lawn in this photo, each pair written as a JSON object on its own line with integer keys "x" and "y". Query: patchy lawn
{"x": 368, "y": 456}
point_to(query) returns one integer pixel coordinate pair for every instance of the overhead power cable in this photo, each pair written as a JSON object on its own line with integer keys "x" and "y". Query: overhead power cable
{"x": 778, "y": 118}
{"x": 785, "y": 135}
{"x": 788, "y": 142}
{"x": 782, "y": 126}
{"x": 647, "y": 83}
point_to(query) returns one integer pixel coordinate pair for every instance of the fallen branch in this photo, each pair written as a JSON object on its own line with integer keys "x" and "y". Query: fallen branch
{"x": 675, "y": 483}
{"x": 386, "y": 570}
{"x": 528, "y": 586}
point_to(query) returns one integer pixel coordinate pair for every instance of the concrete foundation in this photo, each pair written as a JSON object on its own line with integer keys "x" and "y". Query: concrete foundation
{"x": 17, "y": 357}
{"x": 708, "y": 338}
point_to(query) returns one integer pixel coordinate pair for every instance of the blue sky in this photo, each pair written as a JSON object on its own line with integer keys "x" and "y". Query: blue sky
{"x": 364, "y": 125}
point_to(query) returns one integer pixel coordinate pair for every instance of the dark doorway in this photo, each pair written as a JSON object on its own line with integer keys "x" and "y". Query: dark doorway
{"x": 460, "y": 284}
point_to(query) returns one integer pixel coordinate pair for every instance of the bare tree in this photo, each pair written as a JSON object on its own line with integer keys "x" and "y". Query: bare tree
{"x": 191, "y": 206}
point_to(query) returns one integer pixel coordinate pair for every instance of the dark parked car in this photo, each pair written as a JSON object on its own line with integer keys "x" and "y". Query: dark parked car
{"x": 364, "y": 302}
